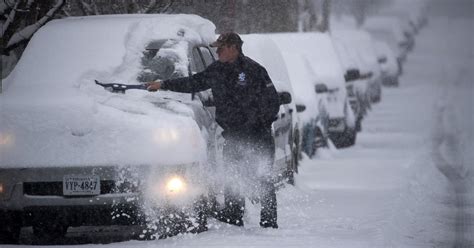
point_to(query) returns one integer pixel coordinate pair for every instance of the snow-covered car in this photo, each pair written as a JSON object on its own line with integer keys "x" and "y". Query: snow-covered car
{"x": 357, "y": 88}
{"x": 388, "y": 64}
{"x": 320, "y": 53}
{"x": 286, "y": 128}
{"x": 76, "y": 154}
{"x": 360, "y": 45}
{"x": 311, "y": 104}
{"x": 391, "y": 31}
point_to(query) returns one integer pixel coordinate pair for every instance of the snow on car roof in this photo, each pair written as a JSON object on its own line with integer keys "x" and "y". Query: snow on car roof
{"x": 264, "y": 51}
{"x": 55, "y": 115}
{"x": 387, "y": 24}
{"x": 342, "y": 21}
{"x": 74, "y": 46}
{"x": 301, "y": 75}
{"x": 363, "y": 46}
{"x": 320, "y": 52}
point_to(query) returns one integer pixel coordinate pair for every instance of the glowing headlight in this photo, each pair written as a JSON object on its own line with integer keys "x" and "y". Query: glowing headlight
{"x": 165, "y": 135}
{"x": 6, "y": 139}
{"x": 2, "y": 189}
{"x": 175, "y": 185}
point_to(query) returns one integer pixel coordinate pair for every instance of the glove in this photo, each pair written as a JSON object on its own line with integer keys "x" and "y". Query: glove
{"x": 154, "y": 85}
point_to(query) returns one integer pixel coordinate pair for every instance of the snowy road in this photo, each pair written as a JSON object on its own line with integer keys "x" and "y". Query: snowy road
{"x": 392, "y": 188}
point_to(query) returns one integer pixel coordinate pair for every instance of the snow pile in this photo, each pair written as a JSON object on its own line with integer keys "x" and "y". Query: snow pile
{"x": 53, "y": 114}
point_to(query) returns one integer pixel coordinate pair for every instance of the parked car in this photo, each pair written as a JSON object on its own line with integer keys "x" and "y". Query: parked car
{"x": 391, "y": 31}
{"x": 357, "y": 88}
{"x": 74, "y": 154}
{"x": 312, "y": 105}
{"x": 322, "y": 57}
{"x": 361, "y": 47}
{"x": 388, "y": 64}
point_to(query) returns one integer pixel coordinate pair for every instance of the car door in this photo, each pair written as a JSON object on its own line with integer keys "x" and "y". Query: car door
{"x": 201, "y": 57}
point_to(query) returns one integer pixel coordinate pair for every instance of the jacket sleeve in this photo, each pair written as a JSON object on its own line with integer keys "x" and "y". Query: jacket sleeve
{"x": 269, "y": 101}
{"x": 195, "y": 83}
{"x": 263, "y": 109}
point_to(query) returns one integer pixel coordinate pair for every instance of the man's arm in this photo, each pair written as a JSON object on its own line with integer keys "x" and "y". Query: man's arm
{"x": 269, "y": 101}
{"x": 197, "y": 82}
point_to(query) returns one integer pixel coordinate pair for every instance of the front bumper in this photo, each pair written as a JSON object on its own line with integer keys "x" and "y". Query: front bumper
{"x": 27, "y": 189}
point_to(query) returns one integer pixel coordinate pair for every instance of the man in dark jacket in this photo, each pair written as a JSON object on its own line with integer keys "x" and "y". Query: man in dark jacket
{"x": 246, "y": 104}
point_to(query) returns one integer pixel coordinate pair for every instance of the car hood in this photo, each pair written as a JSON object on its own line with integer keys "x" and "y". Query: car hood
{"x": 111, "y": 129}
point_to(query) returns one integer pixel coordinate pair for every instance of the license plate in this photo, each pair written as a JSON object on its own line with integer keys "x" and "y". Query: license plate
{"x": 77, "y": 185}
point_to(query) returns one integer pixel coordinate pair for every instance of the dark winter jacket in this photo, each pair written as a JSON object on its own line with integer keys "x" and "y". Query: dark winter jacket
{"x": 245, "y": 98}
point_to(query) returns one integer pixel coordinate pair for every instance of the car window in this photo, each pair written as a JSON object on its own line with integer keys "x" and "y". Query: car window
{"x": 207, "y": 55}
{"x": 198, "y": 60}
{"x": 160, "y": 61}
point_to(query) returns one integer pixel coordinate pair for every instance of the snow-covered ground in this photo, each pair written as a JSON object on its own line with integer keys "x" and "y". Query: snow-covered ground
{"x": 390, "y": 190}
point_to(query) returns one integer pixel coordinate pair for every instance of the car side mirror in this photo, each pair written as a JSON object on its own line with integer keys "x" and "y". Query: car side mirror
{"x": 300, "y": 108}
{"x": 321, "y": 88}
{"x": 352, "y": 75}
{"x": 382, "y": 60}
{"x": 285, "y": 97}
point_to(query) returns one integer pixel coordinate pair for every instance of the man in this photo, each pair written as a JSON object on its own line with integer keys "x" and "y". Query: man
{"x": 246, "y": 104}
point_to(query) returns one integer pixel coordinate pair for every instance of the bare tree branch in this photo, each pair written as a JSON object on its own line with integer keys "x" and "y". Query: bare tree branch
{"x": 10, "y": 19}
{"x": 27, "y": 32}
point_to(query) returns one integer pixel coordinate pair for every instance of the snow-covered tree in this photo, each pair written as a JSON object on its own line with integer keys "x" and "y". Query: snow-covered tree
{"x": 105, "y": 7}
{"x": 19, "y": 20}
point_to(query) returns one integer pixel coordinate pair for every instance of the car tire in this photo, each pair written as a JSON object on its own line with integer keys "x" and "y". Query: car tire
{"x": 344, "y": 139}
{"x": 358, "y": 123}
{"x": 319, "y": 141}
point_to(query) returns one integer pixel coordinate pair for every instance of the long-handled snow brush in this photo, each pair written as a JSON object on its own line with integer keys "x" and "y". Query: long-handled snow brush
{"x": 121, "y": 88}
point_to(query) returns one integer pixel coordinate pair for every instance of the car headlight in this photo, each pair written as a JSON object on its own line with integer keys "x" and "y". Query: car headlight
{"x": 175, "y": 185}
{"x": 166, "y": 135}
{"x": 170, "y": 186}
{"x": 6, "y": 139}
{"x": 2, "y": 189}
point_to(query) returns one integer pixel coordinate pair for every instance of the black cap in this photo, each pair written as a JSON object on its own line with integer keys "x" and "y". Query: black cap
{"x": 229, "y": 38}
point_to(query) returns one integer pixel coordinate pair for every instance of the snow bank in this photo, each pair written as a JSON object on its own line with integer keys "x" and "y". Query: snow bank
{"x": 52, "y": 113}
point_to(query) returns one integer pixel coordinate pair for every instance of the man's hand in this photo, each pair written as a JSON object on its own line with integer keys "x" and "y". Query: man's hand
{"x": 153, "y": 86}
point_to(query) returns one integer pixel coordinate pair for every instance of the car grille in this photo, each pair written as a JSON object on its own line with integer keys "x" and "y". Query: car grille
{"x": 56, "y": 188}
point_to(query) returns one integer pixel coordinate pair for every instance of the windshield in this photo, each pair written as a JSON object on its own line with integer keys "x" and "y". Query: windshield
{"x": 163, "y": 60}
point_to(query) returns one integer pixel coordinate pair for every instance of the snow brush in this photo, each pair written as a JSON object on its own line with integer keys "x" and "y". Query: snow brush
{"x": 121, "y": 88}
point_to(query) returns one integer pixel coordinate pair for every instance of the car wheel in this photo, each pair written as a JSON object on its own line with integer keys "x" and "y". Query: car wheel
{"x": 289, "y": 176}
{"x": 358, "y": 123}
{"x": 344, "y": 139}
{"x": 319, "y": 141}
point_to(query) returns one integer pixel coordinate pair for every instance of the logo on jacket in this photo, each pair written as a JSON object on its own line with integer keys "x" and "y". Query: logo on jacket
{"x": 242, "y": 79}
